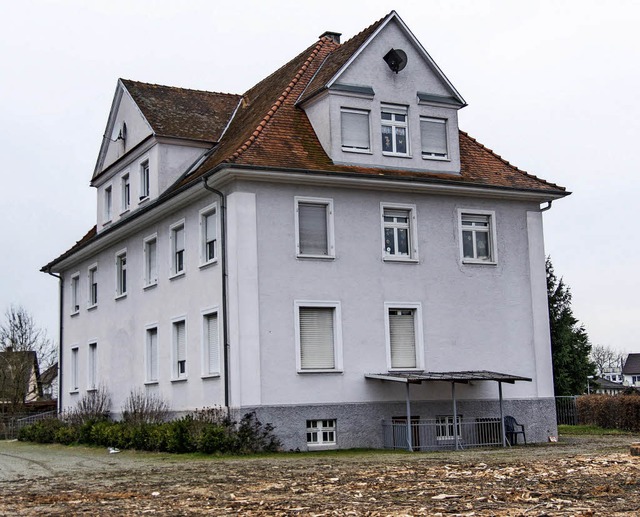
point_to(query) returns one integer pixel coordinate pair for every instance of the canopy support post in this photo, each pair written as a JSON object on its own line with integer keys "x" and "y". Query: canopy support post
{"x": 504, "y": 436}
{"x": 455, "y": 415}
{"x": 409, "y": 419}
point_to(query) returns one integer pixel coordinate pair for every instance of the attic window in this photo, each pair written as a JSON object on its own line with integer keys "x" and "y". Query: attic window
{"x": 394, "y": 131}
{"x": 433, "y": 134}
{"x": 354, "y": 127}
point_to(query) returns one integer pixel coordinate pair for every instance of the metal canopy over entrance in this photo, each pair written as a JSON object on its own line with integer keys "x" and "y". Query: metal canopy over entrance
{"x": 408, "y": 378}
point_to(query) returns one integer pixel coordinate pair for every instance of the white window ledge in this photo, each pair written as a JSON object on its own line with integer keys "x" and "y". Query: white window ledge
{"x": 436, "y": 158}
{"x": 358, "y": 151}
{"x": 479, "y": 262}
{"x": 177, "y": 275}
{"x": 181, "y": 379}
{"x": 150, "y": 286}
{"x": 205, "y": 265}
{"x": 120, "y": 296}
{"x": 92, "y": 307}
{"x": 396, "y": 155}
{"x": 143, "y": 200}
{"x": 150, "y": 383}
{"x": 314, "y": 257}
{"x": 75, "y": 313}
{"x": 402, "y": 260}
{"x": 74, "y": 391}
{"x": 92, "y": 390}
{"x": 210, "y": 376}
{"x": 320, "y": 371}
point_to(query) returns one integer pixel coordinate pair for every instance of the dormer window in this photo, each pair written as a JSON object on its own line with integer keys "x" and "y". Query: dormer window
{"x": 354, "y": 127}
{"x": 433, "y": 134}
{"x": 394, "y": 131}
{"x": 144, "y": 180}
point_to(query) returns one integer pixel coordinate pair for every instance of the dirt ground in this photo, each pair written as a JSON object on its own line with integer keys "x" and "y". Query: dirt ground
{"x": 578, "y": 476}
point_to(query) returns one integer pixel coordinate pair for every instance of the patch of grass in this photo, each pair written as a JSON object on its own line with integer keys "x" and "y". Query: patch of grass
{"x": 588, "y": 429}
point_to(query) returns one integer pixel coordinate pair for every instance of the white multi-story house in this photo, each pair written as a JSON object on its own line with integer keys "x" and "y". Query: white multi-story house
{"x": 631, "y": 370}
{"x": 327, "y": 249}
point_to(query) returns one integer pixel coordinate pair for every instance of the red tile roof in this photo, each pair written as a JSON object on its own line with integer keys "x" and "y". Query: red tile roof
{"x": 183, "y": 113}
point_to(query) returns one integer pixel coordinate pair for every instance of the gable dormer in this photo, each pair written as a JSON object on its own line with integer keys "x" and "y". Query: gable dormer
{"x": 154, "y": 134}
{"x": 385, "y": 103}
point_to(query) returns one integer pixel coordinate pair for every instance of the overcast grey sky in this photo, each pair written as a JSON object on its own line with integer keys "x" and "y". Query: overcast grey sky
{"x": 552, "y": 86}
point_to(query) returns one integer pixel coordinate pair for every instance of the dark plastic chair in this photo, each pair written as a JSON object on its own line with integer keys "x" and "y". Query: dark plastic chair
{"x": 512, "y": 429}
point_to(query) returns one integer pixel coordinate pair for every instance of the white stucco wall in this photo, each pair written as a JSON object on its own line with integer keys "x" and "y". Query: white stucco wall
{"x": 475, "y": 317}
{"x": 118, "y": 326}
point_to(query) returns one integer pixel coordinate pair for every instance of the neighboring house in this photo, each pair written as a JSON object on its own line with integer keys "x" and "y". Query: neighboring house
{"x": 49, "y": 382}
{"x": 604, "y": 386}
{"x": 613, "y": 374}
{"x": 19, "y": 377}
{"x": 326, "y": 249}
{"x": 631, "y": 370}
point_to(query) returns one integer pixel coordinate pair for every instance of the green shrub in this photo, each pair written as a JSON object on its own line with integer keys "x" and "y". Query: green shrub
{"x": 43, "y": 431}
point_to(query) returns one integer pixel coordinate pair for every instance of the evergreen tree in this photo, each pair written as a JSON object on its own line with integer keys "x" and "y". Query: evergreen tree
{"x": 570, "y": 347}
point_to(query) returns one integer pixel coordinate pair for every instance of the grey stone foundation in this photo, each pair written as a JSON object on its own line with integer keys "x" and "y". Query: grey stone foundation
{"x": 360, "y": 425}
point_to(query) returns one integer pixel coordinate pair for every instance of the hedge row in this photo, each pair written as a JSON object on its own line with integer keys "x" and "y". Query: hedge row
{"x": 187, "y": 434}
{"x": 610, "y": 411}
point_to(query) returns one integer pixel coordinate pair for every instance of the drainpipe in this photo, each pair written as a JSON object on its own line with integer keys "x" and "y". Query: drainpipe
{"x": 547, "y": 207}
{"x": 61, "y": 324}
{"x": 223, "y": 258}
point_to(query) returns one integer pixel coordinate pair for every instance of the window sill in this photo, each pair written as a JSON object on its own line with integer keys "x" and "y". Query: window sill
{"x": 210, "y": 376}
{"x": 177, "y": 275}
{"x": 396, "y": 155}
{"x": 357, "y": 151}
{"x": 320, "y": 371}
{"x": 181, "y": 379}
{"x": 321, "y": 257}
{"x": 205, "y": 265}
{"x": 436, "y": 158}
{"x": 92, "y": 307}
{"x": 479, "y": 262}
{"x": 106, "y": 223}
{"x": 120, "y": 296}
{"x": 124, "y": 212}
{"x": 400, "y": 370}
{"x": 76, "y": 313}
{"x": 322, "y": 446}
{"x": 92, "y": 390}
{"x": 150, "y": 286}
{"x": 405, "y": 260}
{"x": 143, "y": 199}
{"x": 74, "y": 391}
{"x": 150, "y": 383}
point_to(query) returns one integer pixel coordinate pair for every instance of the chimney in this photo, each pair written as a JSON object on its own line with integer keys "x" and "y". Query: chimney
{"x": 335, "y": 36}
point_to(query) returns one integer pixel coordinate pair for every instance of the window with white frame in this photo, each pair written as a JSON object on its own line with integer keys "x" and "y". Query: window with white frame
{"x": 318, "y": 336}
{"x": 433, "y": 136}
{"x": 121, "y": 273}
{"x": 478, "y": 236}
{"x": 314, "y": 227}
{"x": 150, "y": 245}
{"x": 354, "y": 129}
{"x": 144, "y": 180}
{"x": 92, "y": 367}
{"x": 177, "y": 248}
{"x": 74, "y": 369}
{"x": 399, "y": 231}
{"x": 152, "y": 355}
{"x": 75, "y": 293}
{"x": 210, "y": 344}
{"x": 445, "y": 428}
{"x": 321, "y": 432}
{"x": 404, "y": 336}
{"x": 635, "y": 379}
{"x": 93, "y": 285}
{"x": 126, "y": 192}
{"x": 108, "y": 204}
{"x": 208, "y": 235}
{"x": 395, "y": 129}
{"x": 179, "y": 349}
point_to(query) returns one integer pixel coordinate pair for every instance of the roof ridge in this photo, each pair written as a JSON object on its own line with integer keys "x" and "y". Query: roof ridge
{"x": 179, "y": 88}
{"x": 506, "y": 162}
{"x": 276, "y": 105}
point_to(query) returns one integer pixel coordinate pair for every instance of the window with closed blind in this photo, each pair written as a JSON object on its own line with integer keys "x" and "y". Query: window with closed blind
{"x": 74, "y": 384}
{"x": 208, "y": 235}
{"x": 210, "y": 345}
{"x": 354, "y": 129}
{"x": 92, "y": 367}
{"x": 314, "y": 227}
{"x": 152, "y": 355}
{"x": 433, "y": 135}
{"x": 179, "y": 350}
{"x": 404, "y": 336}
{"x": 318, "y": 336}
